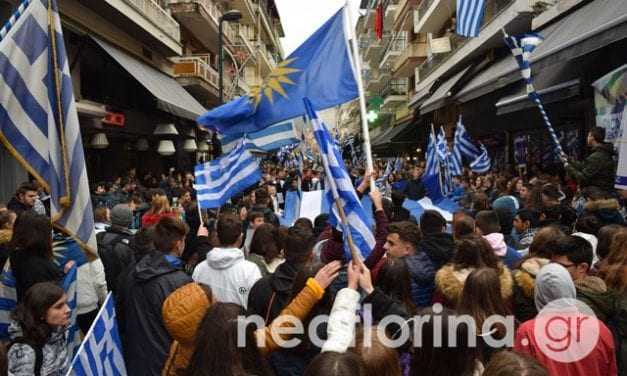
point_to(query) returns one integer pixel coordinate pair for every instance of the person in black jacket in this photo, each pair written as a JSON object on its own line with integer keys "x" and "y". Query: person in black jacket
{"x": 272, "y": 293}
{"x": 415, "y": 190}
{"x": 114, "y": 245}
{"x": 142, "y": 289}
{"x": 24, "y": 199}
{"x": 31, "y": 253}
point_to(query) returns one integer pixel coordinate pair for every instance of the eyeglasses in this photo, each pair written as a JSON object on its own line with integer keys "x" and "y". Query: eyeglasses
{"x": 565, "y": 265}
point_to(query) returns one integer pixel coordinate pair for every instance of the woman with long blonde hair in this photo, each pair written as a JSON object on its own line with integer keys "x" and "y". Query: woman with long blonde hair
{"x": 160, "y": 207}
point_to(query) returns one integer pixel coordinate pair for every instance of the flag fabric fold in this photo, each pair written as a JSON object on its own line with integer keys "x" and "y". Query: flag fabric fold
{"x": 463, "y": 146}
{"x": 481, "y": 164}
{"x": 339, "y": 187}
{"x": 38, "y": 118}
{"x": 100, "y": 354}
{"x": 469, "y": 17}
{"x": 321, "y": 69}
{"x": 219, "y": 180}
{"x": 268, "y": 140}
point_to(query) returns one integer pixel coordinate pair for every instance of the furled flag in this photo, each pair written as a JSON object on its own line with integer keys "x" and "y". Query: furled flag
{"x": 340, "y": 188}
{"x": 433, "y": 164}
{"x": 270, "y": 139}
{"x": 307, "y": 72}
{"x": 398, "y": 165}
{"x": 378, "y": 20}
{"x": 481, "y": 164}
{"x": 100, "y": 354}
{"x": 469, "y": 17}
{"x": 219, "y": 180}
{"x": 74, "y": 334}
{"x": 38, "y": 119}
{"x": 463, "y": 146}
{"x": 521, "y": 47}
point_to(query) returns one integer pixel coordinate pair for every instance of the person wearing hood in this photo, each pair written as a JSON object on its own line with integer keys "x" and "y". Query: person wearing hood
{"x": 602, "y": 206}
{"x": 226, "y": 271}
{"x": 142, "y": 289}
{"x": 473, "y": 252}
{"x": 599, "y": 168}
{"x": 575, "y": 255}
{"x": 554, "y": 285}
{"x": 38, "y": 332}
{"x": 488, "y": 226}
{"x": 272, "y": 293}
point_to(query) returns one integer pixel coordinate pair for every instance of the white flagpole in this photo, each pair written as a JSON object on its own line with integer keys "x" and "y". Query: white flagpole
{"x": 362, "y": 94}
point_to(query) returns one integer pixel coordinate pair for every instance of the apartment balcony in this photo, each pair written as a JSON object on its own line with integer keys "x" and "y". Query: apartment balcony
{"x": 393, "y": 50}
{"x": 266, "y": 59}
{"x": 405, "y": 8}
{"x": 248, "y": 11}
{"x": 394, "y": 94}
{"x": 375, "y": 47}
{"x": 201, "y": 18}
{"x": 142, "y": 16}
{"x": 415, "y": 53}
{"x": 385, "y": 74}
{"x": 374, "y": 85}
{"x": 266, "y": 21}
{"x": 197, "y": 76}
{"x": 513, "y": 15}
{"x": 433, "y": 14}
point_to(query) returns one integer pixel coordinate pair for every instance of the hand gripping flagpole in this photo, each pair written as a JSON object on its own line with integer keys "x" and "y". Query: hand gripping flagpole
{"x": 356, "y": 63}
{"x": 525, "y": 68}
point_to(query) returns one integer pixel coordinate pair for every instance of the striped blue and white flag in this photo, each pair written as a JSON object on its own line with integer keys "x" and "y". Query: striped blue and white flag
{"x": 219, "y": 180}
{"x": 38, "y": 119}
{"x": 470, "y": 17}
{"x": 463, "y": 146}
{"x": 482, "y": 163}
{"x": 339, "y": 187}
{"x": 522, "y": 46}
{"x": 100, "y": 354}
{"x": 398, "y": 165}
{"x": 456, "y": 167}
{"x": 433, "y": 163}
{"x": 269, "y": 139}
{"x": 74, "y": 334}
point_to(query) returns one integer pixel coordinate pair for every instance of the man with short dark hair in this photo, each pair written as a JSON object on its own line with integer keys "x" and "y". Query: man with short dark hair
{"x": 24, "y": 199}
{"x": 488, "y": 225}
{"x": 272, "y": 293}
{"x": 142, "y": 289}
{"x": 526, "y": 224}
{"x": 599, "y": 168}
{"x": 225, "y": 270}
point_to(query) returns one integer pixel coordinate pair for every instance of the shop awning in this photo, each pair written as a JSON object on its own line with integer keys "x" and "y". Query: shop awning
{"x": 390, "y": 138}
{"x": 550, "y": 94}
{"x": 171, "y": 97}
{"x": 589, "y": 28}
{"x": 442, "y": 93}
{"x": 381, "y": 137}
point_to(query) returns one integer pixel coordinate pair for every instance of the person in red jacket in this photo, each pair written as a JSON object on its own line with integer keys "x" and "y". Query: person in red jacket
{"x": 160, "y": 207}
{"x": 565, "y": 337}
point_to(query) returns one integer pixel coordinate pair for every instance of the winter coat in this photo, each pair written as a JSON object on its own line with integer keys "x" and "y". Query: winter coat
{"x": 18, "y": 207}
{"x": 620, "y": 328}
{"x": 414, "y": 190}
{"x": 150, "y": 219}
{"x": 380, "y": 236}
{"x": 184, "y": 310}
{"x": 143, "y": 288}
{"x": 91, "y": 286}
{"x": 342, "y": 320}
{"x": 278, "y": 284}
{"x": 30, "y": 268}
{"x": 230, "y": 276}
{"x": 593, "y": 292}
{"x": 524, "y": 284}
{"x": 450, "y": 281}
{"x": 265, "y": 268}
{"x": 22, "y": 357}
{"x": 607, "y": 211}
{"x": 5, "y": 239}
{"x": 434, "y": 250}
{"x": 598, "y": 169}
{"x": 116, "y": 253}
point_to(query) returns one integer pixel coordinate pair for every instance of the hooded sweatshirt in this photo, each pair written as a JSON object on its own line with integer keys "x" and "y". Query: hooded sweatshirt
{"x": 229, "y": 275}
{"x": 507, "y": 254}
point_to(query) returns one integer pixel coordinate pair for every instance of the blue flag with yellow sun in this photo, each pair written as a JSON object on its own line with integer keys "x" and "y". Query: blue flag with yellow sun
{"x": 320, "y": 69}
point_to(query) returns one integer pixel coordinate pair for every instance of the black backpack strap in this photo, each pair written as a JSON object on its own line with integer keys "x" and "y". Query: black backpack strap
{"x": 39, "y": 353}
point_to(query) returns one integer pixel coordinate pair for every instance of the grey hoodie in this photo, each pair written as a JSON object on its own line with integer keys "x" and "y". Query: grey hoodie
{"x": 552, "y": 283}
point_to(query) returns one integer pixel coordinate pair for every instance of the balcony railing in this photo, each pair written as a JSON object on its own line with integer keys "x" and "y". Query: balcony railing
{"x": 395, "y": 87}
{"x": 424, "y": 7}
{"x": 158, "y": 16}
{"x": 196, "y": 66}
{"x": 493, "y": 9}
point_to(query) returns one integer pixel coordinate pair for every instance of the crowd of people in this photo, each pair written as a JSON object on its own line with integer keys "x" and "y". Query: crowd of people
{"x": 186, "y": 283}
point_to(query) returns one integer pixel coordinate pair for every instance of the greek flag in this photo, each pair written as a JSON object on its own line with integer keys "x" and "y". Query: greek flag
{"x": 219, "y": 180}
{"x": 339, "y": 187}
{"x": 74, "y": 335}
{"x": 481, "y": 164}
{"x": 38, "y": 119}
{"x": 469, "y": 17}
{"x": 463, "y": 147}
{"x": 269, "y": 139}
{"x": 398, "y": 165}
{"x": 433, "y": 164}
{"x": 521, "y": 47}
{"x": 100, "y": 354}
{"x": 455, "y": 164}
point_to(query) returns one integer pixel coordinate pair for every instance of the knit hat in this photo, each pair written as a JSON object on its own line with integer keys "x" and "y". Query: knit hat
{"x": 552, "y": 283}
{"x": 510, "y": 203}
{"x": 121, "y": 215}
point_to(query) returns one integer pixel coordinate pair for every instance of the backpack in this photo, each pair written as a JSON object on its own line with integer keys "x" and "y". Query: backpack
{"x": 39, "y": 352}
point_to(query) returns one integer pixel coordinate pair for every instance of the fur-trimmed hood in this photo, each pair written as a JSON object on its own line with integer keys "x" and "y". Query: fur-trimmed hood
{"x": 525, "y": 277}
{"x": 5, "y": 236}
{"x": 605, "y": 204}
{"x": 450, "y": 282}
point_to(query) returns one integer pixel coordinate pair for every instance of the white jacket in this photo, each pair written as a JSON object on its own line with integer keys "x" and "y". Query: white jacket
{"x": 229, "y": 275}
{"x": 91, "y": 286}
{"x": 341, "y": 327}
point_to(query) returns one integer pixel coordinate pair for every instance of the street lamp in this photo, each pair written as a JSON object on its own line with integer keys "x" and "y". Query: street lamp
{"x": 230, "y": 16}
